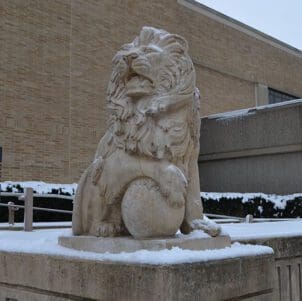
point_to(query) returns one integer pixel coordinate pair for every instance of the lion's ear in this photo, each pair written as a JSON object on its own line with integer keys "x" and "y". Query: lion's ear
{"x": 182, "y": 41}
{"x": 171, "y": 39}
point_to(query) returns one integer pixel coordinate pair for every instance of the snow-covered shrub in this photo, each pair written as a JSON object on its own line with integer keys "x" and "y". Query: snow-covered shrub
{"x": 39, "y": 187}
{"x": 260, "y": 205}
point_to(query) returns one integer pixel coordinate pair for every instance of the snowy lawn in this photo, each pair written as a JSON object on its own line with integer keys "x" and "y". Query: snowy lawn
{"x": 45, "y": 242}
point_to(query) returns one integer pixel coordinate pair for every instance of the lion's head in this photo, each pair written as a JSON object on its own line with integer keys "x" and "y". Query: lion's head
{"x": 156, "y": 62}
{"x": 151, "y": 74}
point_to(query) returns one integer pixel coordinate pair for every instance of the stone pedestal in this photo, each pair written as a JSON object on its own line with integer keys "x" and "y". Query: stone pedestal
{"x": 200, "y": 241}
{"x": 42, "y": 277}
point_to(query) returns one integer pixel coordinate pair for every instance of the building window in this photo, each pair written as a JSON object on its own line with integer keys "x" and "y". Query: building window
{"x": 0, "y": 165}
{"x": 276, "y": 96}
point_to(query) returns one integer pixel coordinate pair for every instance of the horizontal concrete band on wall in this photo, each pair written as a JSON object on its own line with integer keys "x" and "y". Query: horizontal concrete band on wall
{"x": 285, "y": 149}
{"x": 253, "y": 150}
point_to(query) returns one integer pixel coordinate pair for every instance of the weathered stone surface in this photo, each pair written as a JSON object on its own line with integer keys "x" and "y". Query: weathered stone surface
{"x": 128, "y": 244}
{"x": 26, "y": 276}
{"x": 144, "y": 178}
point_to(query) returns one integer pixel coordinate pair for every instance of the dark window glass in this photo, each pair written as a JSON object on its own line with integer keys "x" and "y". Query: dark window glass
{"x": 0, "y": 164}
{"x": 276, "y": 96}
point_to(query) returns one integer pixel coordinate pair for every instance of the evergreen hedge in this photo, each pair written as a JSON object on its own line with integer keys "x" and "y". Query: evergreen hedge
{"x": 258, "y": 206}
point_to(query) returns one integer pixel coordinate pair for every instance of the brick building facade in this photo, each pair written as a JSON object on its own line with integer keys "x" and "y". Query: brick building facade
{"x": 55, "y": 63}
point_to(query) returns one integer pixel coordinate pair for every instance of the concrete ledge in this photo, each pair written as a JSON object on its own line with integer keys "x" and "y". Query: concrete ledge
{"x": 253, "y": 150}
{"x": 288, "y": 262}
{"x": 275, "y": 125}
{"x": 29, "y": 277}
{"x": 129, "y": 244}
{"x": 284, "y": 247}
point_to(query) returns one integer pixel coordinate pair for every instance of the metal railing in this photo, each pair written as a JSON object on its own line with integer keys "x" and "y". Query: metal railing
{"x": 28, "y": 209}
{"x": 247, "y": 219}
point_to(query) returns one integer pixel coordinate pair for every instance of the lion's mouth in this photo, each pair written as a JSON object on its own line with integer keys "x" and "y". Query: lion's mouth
{"x": 135, "y": 76}
{"x": 138, "y": 84}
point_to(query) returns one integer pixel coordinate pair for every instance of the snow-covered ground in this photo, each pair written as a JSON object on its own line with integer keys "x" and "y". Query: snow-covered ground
{"x": 45, "y": 242}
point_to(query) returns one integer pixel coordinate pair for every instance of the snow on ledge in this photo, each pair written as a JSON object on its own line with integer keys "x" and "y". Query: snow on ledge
{"x": 251, "y": 111}
{"x": 39, "y": 186}
{"x": 45, "y": 242}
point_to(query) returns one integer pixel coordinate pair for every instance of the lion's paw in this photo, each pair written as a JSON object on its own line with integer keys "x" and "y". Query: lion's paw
{"x": 156, "y": 108}
{"x": 173, "y": 186}
{"x": 206, "y": 225}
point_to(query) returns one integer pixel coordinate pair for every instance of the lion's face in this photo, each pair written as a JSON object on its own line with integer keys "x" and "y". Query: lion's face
{"x": 142, "y": 63}
{"x": 156, "y": 62}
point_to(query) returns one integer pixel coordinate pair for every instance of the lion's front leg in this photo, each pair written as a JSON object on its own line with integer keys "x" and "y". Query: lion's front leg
{"x": 117, "y": 172}
{"x": 171, "y": 180}
{"x": 206, "y": 225}
{"x": 173, "y": 185}
{"x": 165, "y": 103}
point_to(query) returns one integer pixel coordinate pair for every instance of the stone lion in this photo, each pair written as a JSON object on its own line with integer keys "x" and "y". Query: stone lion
{"x": 144, "y": 178}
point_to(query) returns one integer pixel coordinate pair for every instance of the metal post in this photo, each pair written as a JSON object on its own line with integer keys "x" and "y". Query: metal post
{"x": 249, "y": 218}
{"x": 11, "y": 213}
{"x": 28, "y": 209}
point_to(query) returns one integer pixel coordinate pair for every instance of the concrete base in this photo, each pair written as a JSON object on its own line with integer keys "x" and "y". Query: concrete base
{"x": 129, "y": 244}
{"x": 35, "y": 277}
{"x": 288, "y": 259}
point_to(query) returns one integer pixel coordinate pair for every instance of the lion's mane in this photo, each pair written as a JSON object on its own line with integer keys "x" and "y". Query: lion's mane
{"x": 130, "y": 127}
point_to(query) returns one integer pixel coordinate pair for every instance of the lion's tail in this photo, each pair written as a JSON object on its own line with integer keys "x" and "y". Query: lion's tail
{"x": 77, "y": 219}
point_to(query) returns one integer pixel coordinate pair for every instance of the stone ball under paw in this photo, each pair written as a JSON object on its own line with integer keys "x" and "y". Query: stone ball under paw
{"x": 146, "y": 213}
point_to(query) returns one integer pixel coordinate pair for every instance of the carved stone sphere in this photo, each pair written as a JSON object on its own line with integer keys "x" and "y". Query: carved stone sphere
{"x": 146, "y": 212}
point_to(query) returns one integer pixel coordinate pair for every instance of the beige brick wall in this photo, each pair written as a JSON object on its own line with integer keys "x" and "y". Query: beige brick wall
{"x": 34, "y": 99}
{"x": 55, "y": 62}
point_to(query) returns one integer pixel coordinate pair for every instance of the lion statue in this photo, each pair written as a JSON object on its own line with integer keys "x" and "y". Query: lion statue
{"x": 145, "y": 172}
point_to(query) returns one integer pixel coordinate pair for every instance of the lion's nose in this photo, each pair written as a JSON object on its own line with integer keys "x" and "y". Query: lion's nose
{"x": 130, "y": 57}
